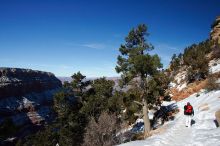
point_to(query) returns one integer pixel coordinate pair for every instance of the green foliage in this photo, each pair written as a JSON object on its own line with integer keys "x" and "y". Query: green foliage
{"x": 140, "y": 70}
{"x": 135, "y": 61}
{"x": 97, "y": 101}
{"x": 133, "y": 94}
{"x": 66, "y": 84}
{"x": 67, "y": 129}
{"x": 7, "y": 128}
{"x": 77, "y": 79}
{"x": 70, "y": 122}
{"x": 103, "y": 87}
{"x": 176, "y": 62}
{"x": 79, "y": 83}
{"x": 72, "y": 130}
{"x": 62, "y": 103}
{"x": 156, "y": 86}
{"x": 195, "y": 58}
{"x": 46, "y": 137}
{"x": 130, "y": 111}
{"x": 115, "y": 103}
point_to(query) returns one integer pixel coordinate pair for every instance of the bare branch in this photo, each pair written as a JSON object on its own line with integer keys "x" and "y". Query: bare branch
{"x": 139, "y": 103}
{"x": 138, "y": 114}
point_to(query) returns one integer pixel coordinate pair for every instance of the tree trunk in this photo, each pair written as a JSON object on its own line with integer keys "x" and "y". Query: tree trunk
{"x": 147, "y": 126}
{"x": 146, "y": 119}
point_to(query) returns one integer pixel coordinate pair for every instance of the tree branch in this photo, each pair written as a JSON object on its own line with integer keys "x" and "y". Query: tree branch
{"x": 138, "y": 114}
{"x": 139, "y": 103}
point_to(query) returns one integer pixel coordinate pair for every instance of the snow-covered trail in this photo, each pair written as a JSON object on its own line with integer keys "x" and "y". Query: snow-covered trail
{"x": 178, "y": 134}
{"x": 202, "y": 133}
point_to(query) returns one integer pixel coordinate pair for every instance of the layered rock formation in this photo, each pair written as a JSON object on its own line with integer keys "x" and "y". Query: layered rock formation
{"x": 215, "y": 32}
{"x": 26, "y": 95}
{"x": 17, "y": 82}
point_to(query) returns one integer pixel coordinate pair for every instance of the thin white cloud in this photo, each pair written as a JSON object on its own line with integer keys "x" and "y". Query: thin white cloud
{"x": 94, "y": 45}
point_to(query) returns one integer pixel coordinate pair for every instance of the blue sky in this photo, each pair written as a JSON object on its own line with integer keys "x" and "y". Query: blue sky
{"x": 64, "y": 37}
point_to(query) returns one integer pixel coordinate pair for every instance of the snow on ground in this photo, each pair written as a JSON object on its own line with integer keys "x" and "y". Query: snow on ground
{"x": 151, "y": 114}
{"x": 214, "y": 66}
{"x": 172, "y": 84}
{"x": 179, "y": 80}
{"x": 166, "y": 103}
{"x": 181, "y": 87}
{"x": 202, "y": 133}
{"x": 180, "y": 76}
{"x": 215, "y": 69}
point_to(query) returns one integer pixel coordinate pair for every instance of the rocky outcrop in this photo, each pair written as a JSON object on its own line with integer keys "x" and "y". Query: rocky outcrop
{"x": 17, "y": 82}
{"x": 215, "y": 32}
{"x": 26, "y": 96}
{"x": 217, "y": 116}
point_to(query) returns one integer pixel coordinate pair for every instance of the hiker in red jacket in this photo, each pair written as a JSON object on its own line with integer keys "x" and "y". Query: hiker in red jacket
{"x": 188, "y": 112}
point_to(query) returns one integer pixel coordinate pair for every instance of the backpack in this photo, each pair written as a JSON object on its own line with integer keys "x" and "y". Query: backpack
{"x": 189, "y": 109}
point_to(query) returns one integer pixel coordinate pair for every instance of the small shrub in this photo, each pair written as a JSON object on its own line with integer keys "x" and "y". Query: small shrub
{"x": 138, "y": 136}
{"x": 211, "y": 84}
{"x": 7, "y": 128}
{"x": 204, "y": 107}
{"x": 101, "y": 132}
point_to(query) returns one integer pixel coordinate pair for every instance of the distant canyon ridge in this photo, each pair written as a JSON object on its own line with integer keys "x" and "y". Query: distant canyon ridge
{"x": 26, "y": 97}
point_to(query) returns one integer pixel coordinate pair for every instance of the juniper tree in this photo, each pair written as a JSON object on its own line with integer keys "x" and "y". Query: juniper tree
{"x": 97, "y": 97}
{"x": 79, "y": 82}
{"x": 136, "y": 62}
{"x": 195, "y": 57}
{"x": 175, "y": 62}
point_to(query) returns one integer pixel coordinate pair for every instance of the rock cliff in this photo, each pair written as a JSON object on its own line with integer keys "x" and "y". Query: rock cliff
{"x": 26, "y": 95}
{"x": 17, "y": 82}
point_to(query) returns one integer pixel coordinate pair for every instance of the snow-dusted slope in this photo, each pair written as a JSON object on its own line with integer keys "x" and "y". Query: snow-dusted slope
{"x": 202, "y": 133}
{"x": 214, "y": 66}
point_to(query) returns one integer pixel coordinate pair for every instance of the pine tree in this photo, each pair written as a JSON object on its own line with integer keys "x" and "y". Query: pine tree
{"x": 195, "y": 57}
{"x": 136, "y": 62}
{"x": 97, "y": 98}
{"x": 79, "y": 83}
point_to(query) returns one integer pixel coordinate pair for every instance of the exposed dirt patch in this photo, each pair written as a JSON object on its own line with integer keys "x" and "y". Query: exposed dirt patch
{"x": 191, "y": 89}
{"x": 160, "y": 130}
{"x": 217, "y": 116}
{"x": 203, "y": 107}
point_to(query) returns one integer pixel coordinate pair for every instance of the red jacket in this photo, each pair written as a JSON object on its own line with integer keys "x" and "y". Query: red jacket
{"x": 188, "y": 110}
